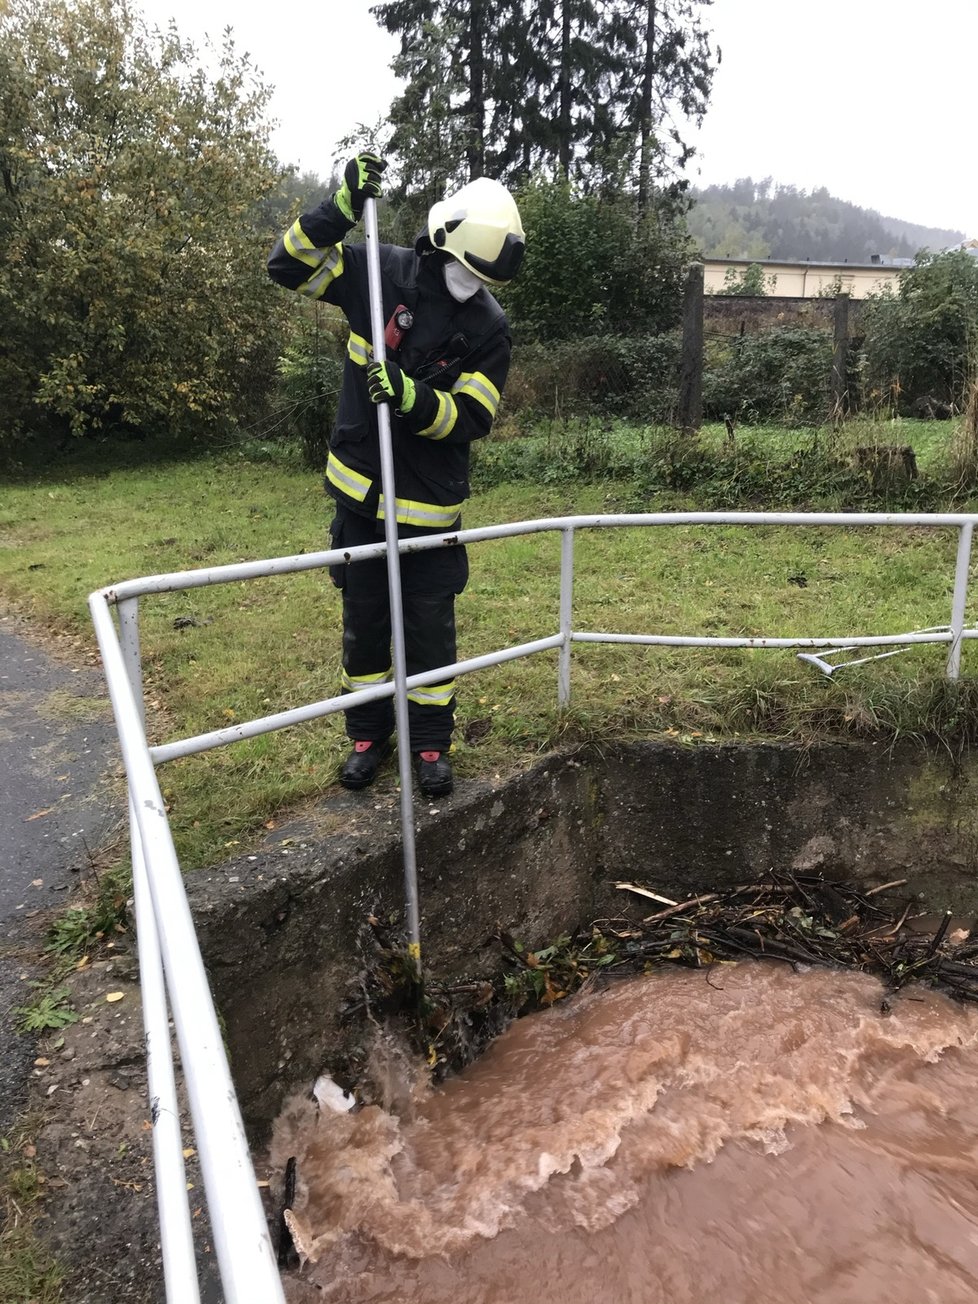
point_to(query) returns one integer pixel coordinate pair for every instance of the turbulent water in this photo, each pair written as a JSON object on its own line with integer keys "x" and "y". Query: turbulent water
{"x": 743, "y": 1134}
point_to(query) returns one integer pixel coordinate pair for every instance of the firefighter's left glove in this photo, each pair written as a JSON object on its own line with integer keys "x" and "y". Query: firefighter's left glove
{"x": 387, "y": 383}
{"x": 361, "y": 181}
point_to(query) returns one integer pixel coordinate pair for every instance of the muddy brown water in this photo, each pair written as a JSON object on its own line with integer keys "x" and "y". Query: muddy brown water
{"x": 746, "y": 1133}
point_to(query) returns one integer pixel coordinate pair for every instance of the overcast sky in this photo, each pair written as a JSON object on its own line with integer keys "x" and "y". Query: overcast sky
{"x": 869, "y": 98}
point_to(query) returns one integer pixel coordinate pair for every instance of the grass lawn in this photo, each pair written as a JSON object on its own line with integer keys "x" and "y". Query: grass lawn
{"x": 274, "y": 644}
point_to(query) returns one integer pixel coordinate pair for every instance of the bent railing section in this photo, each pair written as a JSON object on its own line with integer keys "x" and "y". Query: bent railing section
{"x": 172, "y": 973}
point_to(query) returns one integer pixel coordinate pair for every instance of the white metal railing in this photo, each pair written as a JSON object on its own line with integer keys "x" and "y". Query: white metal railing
{"x": 171, "y": 968}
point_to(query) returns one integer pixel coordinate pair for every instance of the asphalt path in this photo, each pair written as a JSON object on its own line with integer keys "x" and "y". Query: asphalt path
{"x": 58, "y": 809}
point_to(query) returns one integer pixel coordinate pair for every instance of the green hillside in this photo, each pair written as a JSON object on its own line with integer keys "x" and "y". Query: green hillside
{"x": 760, "y": 219}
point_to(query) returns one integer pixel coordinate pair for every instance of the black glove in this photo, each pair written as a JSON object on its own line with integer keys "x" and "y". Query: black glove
{"x": 361, "y": 181}
{"x": 387, "y": 383}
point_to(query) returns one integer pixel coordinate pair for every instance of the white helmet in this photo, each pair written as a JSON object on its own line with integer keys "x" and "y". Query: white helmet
{"x": 480, "y": 226}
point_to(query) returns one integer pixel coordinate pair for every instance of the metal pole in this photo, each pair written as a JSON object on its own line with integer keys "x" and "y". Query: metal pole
{"x": 394, "y": 588}
{"x": 566, "y": 610}
{"x": 960, "y": 600}
{"x": 176, "y": 1234}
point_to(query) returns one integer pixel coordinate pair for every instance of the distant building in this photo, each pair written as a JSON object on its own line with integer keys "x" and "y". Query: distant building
{"x": 810, "y": 280}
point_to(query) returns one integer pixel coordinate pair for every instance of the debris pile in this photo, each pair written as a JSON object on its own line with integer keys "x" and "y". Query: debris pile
{"x": 794, "y": 919}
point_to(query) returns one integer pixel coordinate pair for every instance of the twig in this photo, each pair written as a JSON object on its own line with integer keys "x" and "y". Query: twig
{"x": 891, "y": 929}
{"x": 897, "y": 882}
{"x": 644, "y": 891}
{"x": 678, "y": 908}
{"x": 939, "y": 935}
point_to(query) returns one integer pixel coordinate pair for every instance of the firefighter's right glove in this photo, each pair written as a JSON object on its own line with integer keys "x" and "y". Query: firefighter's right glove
{"x": 387, "y": 383}
{"x": 361, "y": 181}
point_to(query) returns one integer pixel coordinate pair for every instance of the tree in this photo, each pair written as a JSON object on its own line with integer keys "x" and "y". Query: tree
{"x": 429, "y": 124}
{"x": 590, "y": 268}
{"x": 751, "y": 283}
{"x": 662, "y": 68}
{"x": 922, "y": 342}
{"x": 589, "y": 90}
{"x": 132, "y": 281}
{"x": 451, "y": 81}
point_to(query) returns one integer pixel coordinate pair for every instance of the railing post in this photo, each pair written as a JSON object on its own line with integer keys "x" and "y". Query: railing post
{"x": 566, "y": 613}
{"x": 176, "y": 1234}
{"x": 960, "y": 600}
{"x": 239, "y": 1233}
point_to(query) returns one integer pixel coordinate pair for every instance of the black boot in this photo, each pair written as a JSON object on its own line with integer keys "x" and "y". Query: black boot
{"x": 434, "y": 773}
{"x": 361, "y": 766}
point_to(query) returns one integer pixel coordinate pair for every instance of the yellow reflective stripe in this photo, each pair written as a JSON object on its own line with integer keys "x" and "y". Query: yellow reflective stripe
{"x": 352, "y": 682}
{"x": 477, "y": 385}
{"x": 433, "y": 694}
{"x": 445, "y": 417}
{"x": 358, "y": 350}
{"x": 330, "y": 267}
{"x": 427, "y": 514}
{"x": 298, "y": 244}
{"x": 347, "y": 480}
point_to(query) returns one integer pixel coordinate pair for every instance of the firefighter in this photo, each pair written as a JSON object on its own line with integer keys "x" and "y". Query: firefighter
{"x": 448, "y": 349}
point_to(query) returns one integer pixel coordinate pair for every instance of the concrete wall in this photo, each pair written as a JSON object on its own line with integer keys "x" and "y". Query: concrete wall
{"x": 731, "y": 314}
{"x": 540, "y": 854}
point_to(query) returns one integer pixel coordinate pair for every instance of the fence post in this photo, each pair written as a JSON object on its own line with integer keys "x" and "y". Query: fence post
{"x": 689, "y": 416}
{"x": 840, "y": 358}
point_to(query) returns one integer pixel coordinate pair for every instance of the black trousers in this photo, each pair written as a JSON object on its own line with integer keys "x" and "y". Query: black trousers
{"x": 429, "y": 583}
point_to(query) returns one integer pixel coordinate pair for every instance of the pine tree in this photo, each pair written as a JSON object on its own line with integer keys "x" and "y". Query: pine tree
{"x": 663, "y": 66}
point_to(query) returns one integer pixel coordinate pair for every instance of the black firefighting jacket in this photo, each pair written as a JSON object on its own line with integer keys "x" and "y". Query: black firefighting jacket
{"x": 457, "y": 353}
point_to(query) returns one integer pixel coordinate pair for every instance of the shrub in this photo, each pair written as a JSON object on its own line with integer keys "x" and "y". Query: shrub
{"x": 920, "y": 341}
{"x": 780, "y": 376}
{"x": 310, "y": 371}
{"x": 614, "y": 375}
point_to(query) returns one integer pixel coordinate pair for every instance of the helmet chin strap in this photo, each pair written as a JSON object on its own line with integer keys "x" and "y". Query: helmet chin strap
{"x": 460, "y": 282}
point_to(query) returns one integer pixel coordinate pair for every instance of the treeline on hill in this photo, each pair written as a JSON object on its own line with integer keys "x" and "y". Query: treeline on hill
{"x": 760, "y": 219}
{"x": 139, "y": 199}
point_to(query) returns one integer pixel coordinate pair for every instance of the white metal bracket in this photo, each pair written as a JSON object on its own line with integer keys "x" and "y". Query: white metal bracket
{"x": 829, "y": 668}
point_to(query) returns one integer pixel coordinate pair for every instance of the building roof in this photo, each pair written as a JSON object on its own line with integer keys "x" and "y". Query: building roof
{"x": 809, "y": 262}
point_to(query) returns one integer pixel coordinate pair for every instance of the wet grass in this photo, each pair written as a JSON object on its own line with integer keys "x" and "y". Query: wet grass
{"x": 29, "y": 1274}
{"x": 218, "y": 655}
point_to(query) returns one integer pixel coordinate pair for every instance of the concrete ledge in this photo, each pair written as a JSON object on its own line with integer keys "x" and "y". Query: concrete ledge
{"x": 538, "y": 854}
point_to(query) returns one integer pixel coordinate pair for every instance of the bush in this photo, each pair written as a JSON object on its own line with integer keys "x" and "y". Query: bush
{"x": 920, "y": 341}
{"x": 613, "y": 375}
{"x": 780, "y": 376}
{"x": 133, "y": 293}
{"x": 310, "y": 372}
{"x": 590, "y": 266}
